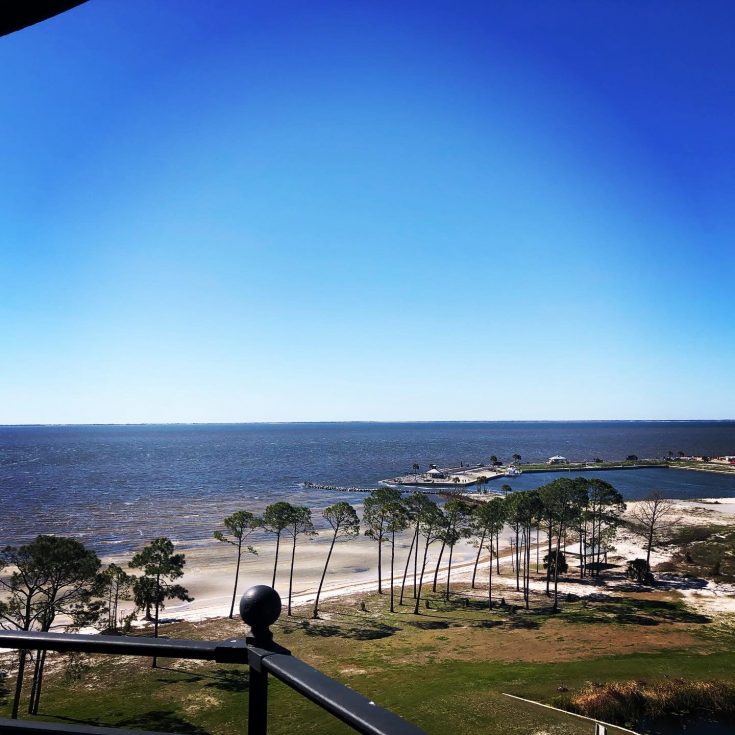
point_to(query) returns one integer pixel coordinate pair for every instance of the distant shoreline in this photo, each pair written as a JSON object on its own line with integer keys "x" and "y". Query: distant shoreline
{"x": 379, "y": 422}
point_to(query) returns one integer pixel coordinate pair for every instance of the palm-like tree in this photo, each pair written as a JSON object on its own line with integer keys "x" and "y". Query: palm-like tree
{"x": 430, "y": 524}
{"x": 490, "y": 517}
{"x": 413, "y": 507}
{"x": 238, "y": 527}
{"x": 516, "y": 459}
{"x": 456, "y": 512}
{"x": 300, "y": 524}
{"x": 344, "y": 522}
{"x": 398, "y": 520}
{"x": 416, "y": 468}
{"x": 276, "y": 519}
{"x": 376, "y": 518}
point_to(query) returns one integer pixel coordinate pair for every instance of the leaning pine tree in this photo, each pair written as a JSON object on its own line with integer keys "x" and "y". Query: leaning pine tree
{"x": 238, "y": 528}
{"x": 344, "y": 522}
{"x": 300, "y": 524}
{"x": 276, "y": 519}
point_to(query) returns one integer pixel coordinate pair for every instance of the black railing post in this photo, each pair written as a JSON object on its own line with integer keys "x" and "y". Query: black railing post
{"x": 260, "y": 607}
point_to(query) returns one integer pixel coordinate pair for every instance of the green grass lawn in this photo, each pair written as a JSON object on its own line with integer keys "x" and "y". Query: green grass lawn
{"x": 446, "y": 670}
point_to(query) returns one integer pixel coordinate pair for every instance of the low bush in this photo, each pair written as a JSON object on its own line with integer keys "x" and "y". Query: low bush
{"x": 628, "y": 702}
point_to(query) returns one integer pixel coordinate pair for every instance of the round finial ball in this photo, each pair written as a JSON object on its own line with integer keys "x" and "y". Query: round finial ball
{"x": 260, "y": 606}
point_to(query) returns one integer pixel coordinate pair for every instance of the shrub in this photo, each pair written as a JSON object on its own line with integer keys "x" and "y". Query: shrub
{"x": 627, "y": 702}
{"x": 639, "y": 571}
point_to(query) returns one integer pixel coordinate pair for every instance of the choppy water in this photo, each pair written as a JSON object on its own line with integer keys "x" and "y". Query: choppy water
{"x": 119, "y": 486}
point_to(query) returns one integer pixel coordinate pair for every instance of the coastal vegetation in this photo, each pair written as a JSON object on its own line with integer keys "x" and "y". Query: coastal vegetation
{"x": 238, "y": 528}
{"x": 276, "y": 519}
{"x": 343, "y": 519}
{"x": 51, "y": 576}
{"x": 161, "y": 567}
{"x": 378, "y": 517}
{"x": 460, "y": 627}
{"x": 635, "y": 701}
{"x": 652, "y": 518}
{"x": 398, "y": 659}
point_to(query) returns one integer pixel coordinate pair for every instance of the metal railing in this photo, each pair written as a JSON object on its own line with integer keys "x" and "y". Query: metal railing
{"x": 260, "y": 607}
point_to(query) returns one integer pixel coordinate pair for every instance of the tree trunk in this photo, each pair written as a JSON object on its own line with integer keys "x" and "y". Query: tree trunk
{"x": 556, "y": 571}
{"x": 497, "y": 552}
{"x": 477, "y": 558}
{"x": 275, "y": 564}
{"x": 290, "y": 573}
{"x": 648, "y": 551}
{"x": 490, "y": 577}
{"x": 518, "y": 570}
{"x": 315, "y": 613}
{"x": 538, "y": 545}
{"x": 449, "y": 572}
{"x": 392, "y": 560}
{"x": 408, "y": 562}
{"x": 581, "y": 557}
{"x": 380, "y": 564}
{"x": 237, "y": 574}
{"x": 115, "y": 604}
{"x": 415, "y": 562}
{"x": 155, "y": 622}
{"x": 421, "y": 578}
{"x": 548, "y": 556}
{"x": 19, "y": 683}
{"x": 34, "y": 682}
{"x": 528, "y": 567}
{"x": 37, "y": 683}
{"x": 438, "y": 562}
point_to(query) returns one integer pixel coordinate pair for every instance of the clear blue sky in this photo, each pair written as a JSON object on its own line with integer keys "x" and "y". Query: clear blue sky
{"x": 274, "y": 211}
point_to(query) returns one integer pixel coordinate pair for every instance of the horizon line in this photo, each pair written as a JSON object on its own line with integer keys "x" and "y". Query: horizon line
{"x": 359, "y": 421}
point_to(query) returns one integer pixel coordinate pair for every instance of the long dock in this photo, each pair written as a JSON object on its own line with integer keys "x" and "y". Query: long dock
{"x": 345, "y": 489}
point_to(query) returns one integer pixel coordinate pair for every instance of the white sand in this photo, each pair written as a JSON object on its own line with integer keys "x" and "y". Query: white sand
{"x": 353, "y": 567}
{"x": 210, "y": 569}
{"x": 209, "y": 575}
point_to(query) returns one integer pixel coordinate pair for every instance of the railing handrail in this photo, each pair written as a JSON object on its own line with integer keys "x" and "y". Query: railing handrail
{"x": 233, "y": 651}
{"x": 260, "y": 607}
{"x": 31, "y": 727}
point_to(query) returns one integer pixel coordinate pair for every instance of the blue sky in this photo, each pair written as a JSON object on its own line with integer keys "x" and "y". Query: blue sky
{"x": 275, "y": 211}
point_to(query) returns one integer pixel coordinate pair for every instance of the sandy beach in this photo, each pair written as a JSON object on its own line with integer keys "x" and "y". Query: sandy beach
{"x": 209, "y": 572}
